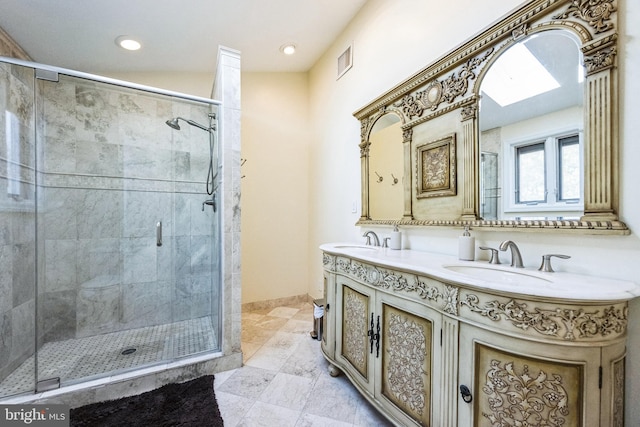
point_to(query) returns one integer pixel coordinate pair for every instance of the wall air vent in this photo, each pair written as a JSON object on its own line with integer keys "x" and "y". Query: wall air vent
{"x": 345, "y": 61}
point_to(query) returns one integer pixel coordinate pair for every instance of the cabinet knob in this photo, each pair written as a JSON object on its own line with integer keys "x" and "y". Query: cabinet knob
{"x": 466, "y": 393}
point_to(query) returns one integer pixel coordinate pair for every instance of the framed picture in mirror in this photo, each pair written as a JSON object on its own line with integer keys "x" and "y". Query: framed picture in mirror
{"x": 437, "y": 167}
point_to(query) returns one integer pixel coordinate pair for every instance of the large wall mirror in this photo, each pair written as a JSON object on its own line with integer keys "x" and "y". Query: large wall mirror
{"x": 521, "y": 120}
{"x": 531, "y": 125}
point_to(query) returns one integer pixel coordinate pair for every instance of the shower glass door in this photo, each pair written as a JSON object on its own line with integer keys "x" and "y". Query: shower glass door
{"x": 17, "y": 230}
{"x": 111, "y": 237}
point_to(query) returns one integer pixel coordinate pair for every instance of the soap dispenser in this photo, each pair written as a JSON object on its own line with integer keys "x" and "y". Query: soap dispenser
{"x": 466, "y": 246}
{"x": 396, "y": 238}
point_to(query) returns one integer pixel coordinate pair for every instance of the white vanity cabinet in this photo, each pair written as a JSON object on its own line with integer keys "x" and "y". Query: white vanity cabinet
{"x": 433, "y": 348}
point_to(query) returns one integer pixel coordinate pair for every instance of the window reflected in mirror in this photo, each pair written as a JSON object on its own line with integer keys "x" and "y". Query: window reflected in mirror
{"x": 531, "y": 130}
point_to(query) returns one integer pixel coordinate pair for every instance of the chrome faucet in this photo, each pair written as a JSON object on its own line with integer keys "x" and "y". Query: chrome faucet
{"x": 516, "y": 258}
{"x": 368, "y": 235}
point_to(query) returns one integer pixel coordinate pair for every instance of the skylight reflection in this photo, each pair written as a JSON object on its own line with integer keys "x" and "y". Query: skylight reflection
{"x": 517, "y": 75}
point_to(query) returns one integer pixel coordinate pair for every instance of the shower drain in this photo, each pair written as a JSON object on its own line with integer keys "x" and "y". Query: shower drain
{"x": 128, "y": 351}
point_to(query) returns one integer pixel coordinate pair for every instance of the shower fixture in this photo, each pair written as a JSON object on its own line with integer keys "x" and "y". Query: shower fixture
{"x": 173, "y": 123}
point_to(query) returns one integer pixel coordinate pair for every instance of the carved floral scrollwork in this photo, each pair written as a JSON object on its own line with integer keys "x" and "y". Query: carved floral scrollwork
{"x": 425, "y": 291}
{"x": 468, "y": 112}
{"x": 600, "y": 60}
{"x": 595, "y": 12}
{"x": 618, "y": 394}
{"x": 407, "y": 351}
{"x": 355, "y": 342}
{"x": 329, "y": 261}
{"x": 389, "y": 280}
{"x": 436, "y": 92}
{"x": 520, "y": 399}
{"x": 451, "y": 300}
{"x": 364, "y": 130}
{"x": 410, "y": 107}
{"x": 454, "y": 86}
{"x": 407, "y": 135}
{"x": 552, "y": 322}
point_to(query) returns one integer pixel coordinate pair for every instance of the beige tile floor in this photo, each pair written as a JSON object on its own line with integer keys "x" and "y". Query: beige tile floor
{"x": 285, "y": 380}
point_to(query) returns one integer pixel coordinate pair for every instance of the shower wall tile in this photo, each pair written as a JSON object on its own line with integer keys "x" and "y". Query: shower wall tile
{"x": 59, "y": 156}
{"x": 142, "y": 211}
{"x": 201, "y": 305}
{"x": 100, "y": 215}
{"x": 146, "y": 304}
{"x": 184, "y": 287}
{"x": 182, "y": 165}
{"x": 141, "y": 162}
{"x": 98, "y": 258}
{"x": 141, "y": 130}
{"x": 98, "y": 158}
{"x": 181, "y": 309}
{"x": 23, "y": 228}
{"x": 182, "y": 256}
{"x": 5, "y": 342}
{"x": 59, "y": 213}
{"x": 164, "y": 257}
{"x": 24, "y": 279}
{"x": 139, "y": 260}
{"x": 57, "y": 315}
{"x": 165, "y": 213}
{"x": 23, "y": 330}
{"x": 182, "y": 223}
{"x": 96, "y": 117}
{"x": 201, "y": 256}
{"x": 60, "y": 265}
{"x": 6, "y": 280}
{"x": 201, "y": 222}
{"x": 97, "y": 309}
{"x": 59, "y": 118}
{"x": 192, "y": 306}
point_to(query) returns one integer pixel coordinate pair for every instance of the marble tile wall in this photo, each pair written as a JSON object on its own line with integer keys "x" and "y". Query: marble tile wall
{"x": 17, "y": 217}
{"x": 108, "y": 170}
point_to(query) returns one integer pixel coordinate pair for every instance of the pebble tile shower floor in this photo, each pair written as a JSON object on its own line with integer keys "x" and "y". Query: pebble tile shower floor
{"x": 91, "y": 356}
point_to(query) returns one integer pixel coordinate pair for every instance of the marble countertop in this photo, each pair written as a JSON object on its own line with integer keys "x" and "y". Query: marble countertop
{"x": 491, "y": 277}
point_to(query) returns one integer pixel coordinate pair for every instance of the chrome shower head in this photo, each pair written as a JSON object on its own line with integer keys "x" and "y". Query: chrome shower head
{"x": 173, "y": 123}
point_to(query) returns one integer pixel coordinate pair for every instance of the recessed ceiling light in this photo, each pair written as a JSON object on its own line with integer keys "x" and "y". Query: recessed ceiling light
{"x": 128, "y": 43}
{"x": 288, "y": 49}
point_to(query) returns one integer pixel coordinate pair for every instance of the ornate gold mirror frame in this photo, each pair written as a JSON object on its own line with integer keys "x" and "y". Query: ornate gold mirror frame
{"x": 443, "y": 99}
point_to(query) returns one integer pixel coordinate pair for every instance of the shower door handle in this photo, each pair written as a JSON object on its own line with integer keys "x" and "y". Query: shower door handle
{"x": 159, "y": 233}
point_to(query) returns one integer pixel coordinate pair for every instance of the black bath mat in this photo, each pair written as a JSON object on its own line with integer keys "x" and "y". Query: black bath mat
{"x": 190, "y": 404}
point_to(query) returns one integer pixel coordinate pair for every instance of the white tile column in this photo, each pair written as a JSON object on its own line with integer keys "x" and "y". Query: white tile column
{"x": 226, "y": 88}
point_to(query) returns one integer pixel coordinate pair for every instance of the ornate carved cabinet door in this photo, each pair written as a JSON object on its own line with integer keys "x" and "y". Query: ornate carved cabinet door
{"x": 353, "y": 326}
{"x": 407, "y": 358}
{"x": 512, "y": 384}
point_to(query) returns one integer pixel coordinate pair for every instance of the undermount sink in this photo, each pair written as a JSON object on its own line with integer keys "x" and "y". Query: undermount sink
{"x": 356, "y": 246}
{"x": 499, "y": 275}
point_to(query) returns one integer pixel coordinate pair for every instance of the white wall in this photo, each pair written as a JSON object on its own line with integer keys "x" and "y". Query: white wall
{"x": 275, "y": 197}
{"x": 197, "y": 84}
{"x": 393, "y": 39}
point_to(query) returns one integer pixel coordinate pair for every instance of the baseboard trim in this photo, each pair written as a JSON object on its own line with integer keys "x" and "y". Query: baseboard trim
{"x": 278, "y": 302}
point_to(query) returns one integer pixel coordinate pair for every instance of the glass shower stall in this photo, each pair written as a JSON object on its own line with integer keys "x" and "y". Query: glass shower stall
{"x": 109, "y": 227}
